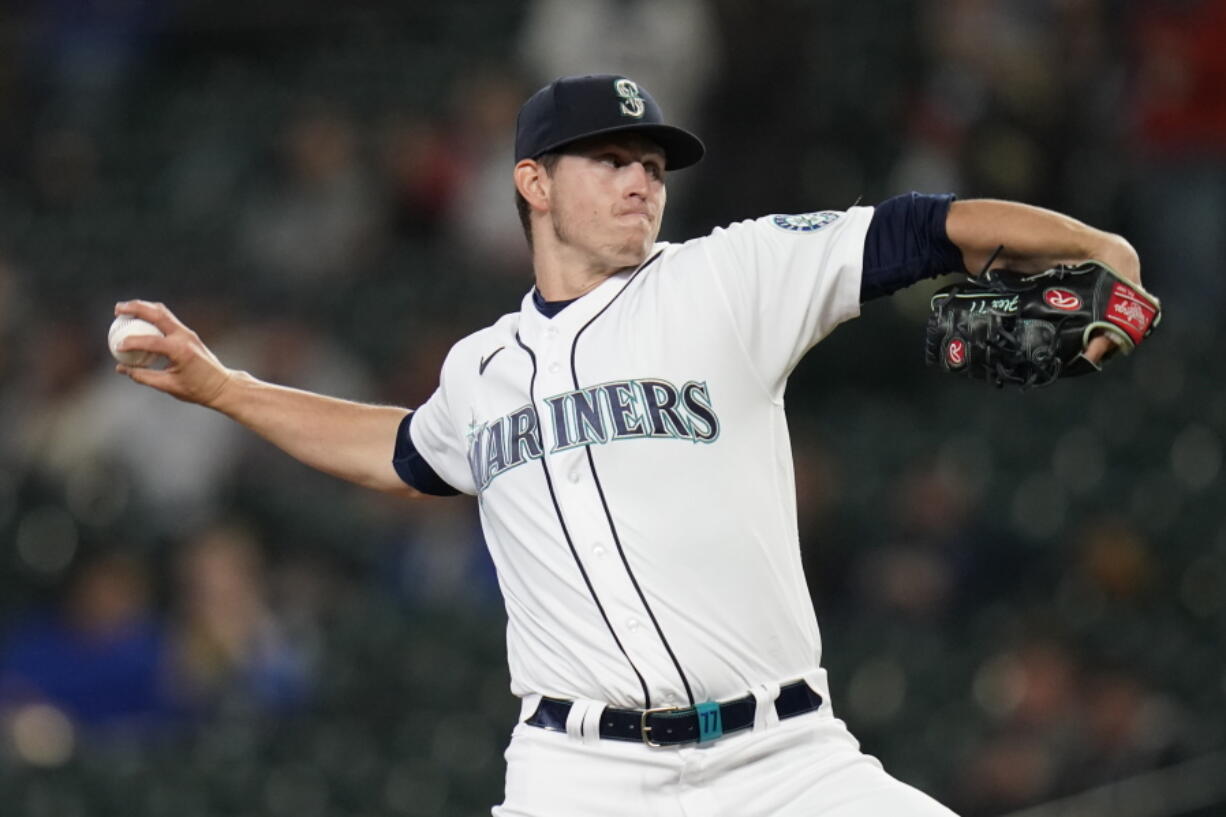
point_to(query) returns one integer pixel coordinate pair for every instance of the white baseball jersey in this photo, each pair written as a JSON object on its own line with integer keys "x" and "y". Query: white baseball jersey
{"x": 634, "y": 469}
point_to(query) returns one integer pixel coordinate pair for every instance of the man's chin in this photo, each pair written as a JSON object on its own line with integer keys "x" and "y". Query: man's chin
{"x": 636, "y": 253}
{"x": 633, "y": 259}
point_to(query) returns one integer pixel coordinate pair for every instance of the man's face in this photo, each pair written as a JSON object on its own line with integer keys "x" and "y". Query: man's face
{"x": 607, "y": 199}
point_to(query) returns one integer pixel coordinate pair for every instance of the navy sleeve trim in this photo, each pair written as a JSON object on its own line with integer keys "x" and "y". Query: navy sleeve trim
{"x": 907, "y": 242}
{"x": 414, "y": 470}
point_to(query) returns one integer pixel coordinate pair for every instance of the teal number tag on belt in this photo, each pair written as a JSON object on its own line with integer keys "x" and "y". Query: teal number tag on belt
{"x": 710, "y": 721}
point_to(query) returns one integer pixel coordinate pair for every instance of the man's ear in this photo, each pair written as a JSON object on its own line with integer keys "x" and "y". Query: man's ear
{"x": 533, "y": 183}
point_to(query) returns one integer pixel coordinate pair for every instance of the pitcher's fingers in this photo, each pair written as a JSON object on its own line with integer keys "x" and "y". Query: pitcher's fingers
{"x": 149, "y": 343}
{"x": 1099, "y": 348}
{"x": 156, "y": 313}
{"x": 155, "y": 378}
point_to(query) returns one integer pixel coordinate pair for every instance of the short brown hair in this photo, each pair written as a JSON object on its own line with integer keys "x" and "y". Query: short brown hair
{"x": 548, "y": 161}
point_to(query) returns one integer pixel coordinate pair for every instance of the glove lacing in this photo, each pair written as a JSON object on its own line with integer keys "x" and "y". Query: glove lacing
{"x": 1017, "y": 368}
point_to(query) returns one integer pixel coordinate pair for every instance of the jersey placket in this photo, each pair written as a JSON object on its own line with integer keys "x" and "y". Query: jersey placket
{"x": 579, "y": 502}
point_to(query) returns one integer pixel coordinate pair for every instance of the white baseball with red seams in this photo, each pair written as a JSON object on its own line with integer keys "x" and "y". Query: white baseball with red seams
{"x": 126, "y": 326}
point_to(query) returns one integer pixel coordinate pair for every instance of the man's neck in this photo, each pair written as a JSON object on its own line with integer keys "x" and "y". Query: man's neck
{"x": 563, "y": 278}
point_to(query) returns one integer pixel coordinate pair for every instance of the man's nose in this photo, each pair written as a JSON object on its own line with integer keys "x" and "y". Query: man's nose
{"x": 638, "y": 180}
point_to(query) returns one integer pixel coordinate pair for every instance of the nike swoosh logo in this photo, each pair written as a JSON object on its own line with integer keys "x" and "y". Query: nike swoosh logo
{"x": 485, "y": 361}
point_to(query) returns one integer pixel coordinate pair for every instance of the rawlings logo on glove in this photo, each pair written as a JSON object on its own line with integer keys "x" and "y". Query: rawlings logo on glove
{"x": 1031, "y": 330}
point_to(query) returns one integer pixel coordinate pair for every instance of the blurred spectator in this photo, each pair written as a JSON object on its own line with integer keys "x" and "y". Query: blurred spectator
{"x": 1181, "y": 110}
{"x": 64, "y": 169}
{"x": 78, "y": 53}
{"x": 1031, "y": 691}
{"x": 937, "y": 557}
{"x": 308, "y": 506}
{"x": 41, "y": 416}
{"x": 757, "y": 161}
{"x": 1179, "y": 203}
{"x": 73, "y": 59}
{"x": 1115, "y": 560}
{"x": 10, "y": 88}
{"x": 423, "y": 166}
{"x": 1129, "y": 728}
{"x": 1061, "y": 728}
{"x": 1009, "y": 772}
{"x": 484, "y": 228}
{"x": 12, "y": 307}
{"x": 930, "y": 158}
{"x": 416, "y": 360}
{"x": 994, "y": 82}
{"x": 295, "y": 351}
{"x": 442, "y": 559}
{"x": 670, "y": 46}
{"x": 316, "y": 225}
{"x": 228, "y": 647}
{"x": 819, "y": 479}
{"x": 913, "y": 573}
{"x": 177, "y": 461}
{"x": 99, "y": 655}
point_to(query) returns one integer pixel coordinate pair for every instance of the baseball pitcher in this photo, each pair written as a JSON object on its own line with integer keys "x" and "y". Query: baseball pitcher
{"x": 624, "y": 431}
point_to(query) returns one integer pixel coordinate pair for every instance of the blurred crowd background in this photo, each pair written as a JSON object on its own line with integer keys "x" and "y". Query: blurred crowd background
{"x": 1022, "y": 596}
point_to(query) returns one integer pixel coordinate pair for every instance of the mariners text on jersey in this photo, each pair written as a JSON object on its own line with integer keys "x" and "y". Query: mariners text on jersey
{"x": 621, "y": 410}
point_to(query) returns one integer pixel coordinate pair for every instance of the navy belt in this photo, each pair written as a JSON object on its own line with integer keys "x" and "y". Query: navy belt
{"x": 670, "y": 726}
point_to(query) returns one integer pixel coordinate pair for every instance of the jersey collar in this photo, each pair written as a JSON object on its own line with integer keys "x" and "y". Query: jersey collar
{"x": 534, "y": 326}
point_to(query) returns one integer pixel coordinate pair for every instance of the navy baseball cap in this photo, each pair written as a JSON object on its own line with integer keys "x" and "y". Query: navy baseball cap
{"x": 573, "y": 108}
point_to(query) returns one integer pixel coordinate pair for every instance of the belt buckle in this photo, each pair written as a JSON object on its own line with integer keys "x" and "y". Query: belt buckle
{"x": 644, "y": 728}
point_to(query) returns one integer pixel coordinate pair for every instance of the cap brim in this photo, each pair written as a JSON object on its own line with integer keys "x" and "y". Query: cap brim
{"x": 681, "y": 148}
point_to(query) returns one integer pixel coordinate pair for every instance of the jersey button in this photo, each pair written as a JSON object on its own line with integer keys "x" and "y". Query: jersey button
{"x": 555, "y": 367}
{"x": 598, "y": 551}
{"x": 573, "y": 476}
{"x": 633, "y": 625}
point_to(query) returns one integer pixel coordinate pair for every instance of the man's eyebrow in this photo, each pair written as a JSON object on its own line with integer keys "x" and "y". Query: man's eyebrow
{"x": 649, "y": 155}
{"x": 624, "y": 151}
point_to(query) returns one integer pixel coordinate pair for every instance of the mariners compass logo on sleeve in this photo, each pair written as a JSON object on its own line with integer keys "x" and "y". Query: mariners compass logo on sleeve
{"x": 806, "y": 222}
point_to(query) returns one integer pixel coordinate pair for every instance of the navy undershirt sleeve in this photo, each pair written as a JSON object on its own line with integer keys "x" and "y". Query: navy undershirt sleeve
{"x": 907, "y": 242}
{"x": 414, "y": 470}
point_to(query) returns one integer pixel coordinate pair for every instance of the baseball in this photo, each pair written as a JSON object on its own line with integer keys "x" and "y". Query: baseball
{"x": 125, "y": 326}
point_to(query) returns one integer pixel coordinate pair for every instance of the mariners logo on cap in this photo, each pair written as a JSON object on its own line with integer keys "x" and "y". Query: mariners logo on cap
{"x": 632, "y": 102}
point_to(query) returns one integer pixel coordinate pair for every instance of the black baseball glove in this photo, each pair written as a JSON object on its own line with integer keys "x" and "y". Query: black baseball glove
{"x": 1030, "y": 330}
